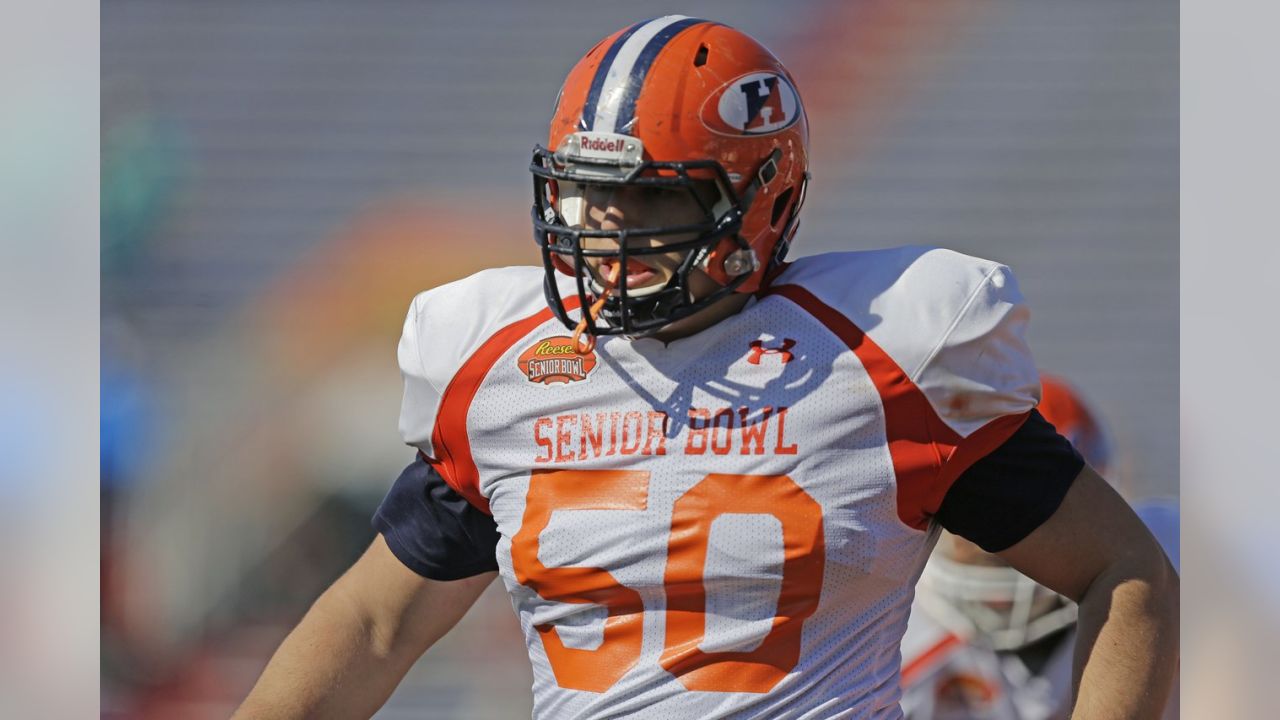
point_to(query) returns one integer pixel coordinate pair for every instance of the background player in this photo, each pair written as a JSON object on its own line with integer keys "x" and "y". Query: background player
{"x": 719, "y": 508}
{"x": 985, "y": 641}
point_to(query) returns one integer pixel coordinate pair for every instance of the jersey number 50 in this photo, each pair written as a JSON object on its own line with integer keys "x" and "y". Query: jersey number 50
{"x": 757, "y": 670}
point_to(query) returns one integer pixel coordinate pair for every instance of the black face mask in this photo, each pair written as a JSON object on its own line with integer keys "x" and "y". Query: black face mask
{"x": 563, "y": 251}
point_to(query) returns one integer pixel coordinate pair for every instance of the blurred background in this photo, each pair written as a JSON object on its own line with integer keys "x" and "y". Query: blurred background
{"x": 280, "y": 179}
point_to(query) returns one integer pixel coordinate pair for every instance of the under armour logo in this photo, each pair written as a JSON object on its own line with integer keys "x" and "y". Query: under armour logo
{"x": 758, "y": 349}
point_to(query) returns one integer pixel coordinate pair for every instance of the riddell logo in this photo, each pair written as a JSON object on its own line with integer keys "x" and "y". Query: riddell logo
{"x": 553, "y": 360}
{"x": 758, "y": 349}
{"x": 601, "y": 144}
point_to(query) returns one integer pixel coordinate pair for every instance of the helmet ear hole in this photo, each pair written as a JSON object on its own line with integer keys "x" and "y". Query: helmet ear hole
{"x": 780, "y": 205}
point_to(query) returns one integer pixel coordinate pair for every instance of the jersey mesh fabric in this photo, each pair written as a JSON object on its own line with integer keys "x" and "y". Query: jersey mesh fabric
{"x": 818, "y": 420}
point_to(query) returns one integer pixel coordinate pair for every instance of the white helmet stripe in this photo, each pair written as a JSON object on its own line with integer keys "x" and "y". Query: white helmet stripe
{"x": 618, "y": 77}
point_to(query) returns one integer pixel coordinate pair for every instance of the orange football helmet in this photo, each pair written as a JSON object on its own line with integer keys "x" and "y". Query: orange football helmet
{"x": 668, "y": 103}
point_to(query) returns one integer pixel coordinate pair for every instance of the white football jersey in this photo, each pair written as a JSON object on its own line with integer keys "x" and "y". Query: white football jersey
{"x": 731, "y": 524}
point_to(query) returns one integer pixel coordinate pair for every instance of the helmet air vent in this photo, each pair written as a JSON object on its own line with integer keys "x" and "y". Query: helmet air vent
{"x": 701, "y": 58}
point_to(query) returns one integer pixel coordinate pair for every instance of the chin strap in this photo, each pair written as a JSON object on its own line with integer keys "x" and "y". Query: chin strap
{"x": 593, "y": 313}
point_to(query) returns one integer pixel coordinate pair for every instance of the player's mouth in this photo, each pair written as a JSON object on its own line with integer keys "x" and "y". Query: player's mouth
{"x": 638, "y": 274}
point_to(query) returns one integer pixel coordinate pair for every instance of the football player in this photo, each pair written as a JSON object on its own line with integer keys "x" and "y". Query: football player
{"x": 985, "y": 641}
{"x": 709, "y": 478}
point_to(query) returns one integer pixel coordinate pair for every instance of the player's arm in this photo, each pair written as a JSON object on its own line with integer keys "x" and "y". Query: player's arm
{"x": 1096, "y": 551}
{"x": 359, "y": 639}
{"x": 433, "y": 556}
{"x": 1029, "y": 498}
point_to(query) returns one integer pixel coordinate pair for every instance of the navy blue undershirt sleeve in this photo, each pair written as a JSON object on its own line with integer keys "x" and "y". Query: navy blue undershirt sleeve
{"x": 432, "y": 529}
{"x": 1011, "y": 491}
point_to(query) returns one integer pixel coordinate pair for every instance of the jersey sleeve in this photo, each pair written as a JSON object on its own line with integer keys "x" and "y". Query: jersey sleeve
{"x": 432, "y": 529}
{"x": 947, "y": 353}
{"x": 980, "y": 382}
{"x": 981, "y": 369}
{"x": 1012, "y": 490}
{"x": 443, "y": 328}
{"x": 421, "y": 399}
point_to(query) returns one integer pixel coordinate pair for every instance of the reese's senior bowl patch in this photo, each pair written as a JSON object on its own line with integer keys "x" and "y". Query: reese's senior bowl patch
{"x": 553, "y": 360}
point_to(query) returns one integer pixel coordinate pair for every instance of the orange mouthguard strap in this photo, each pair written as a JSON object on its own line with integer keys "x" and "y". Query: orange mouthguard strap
{"x": 594, "y": 313}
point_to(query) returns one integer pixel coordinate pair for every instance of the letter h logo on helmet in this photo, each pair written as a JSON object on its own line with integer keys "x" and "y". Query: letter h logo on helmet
{"x": 757, "y": 103}
{"x": 758, "y": 349}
